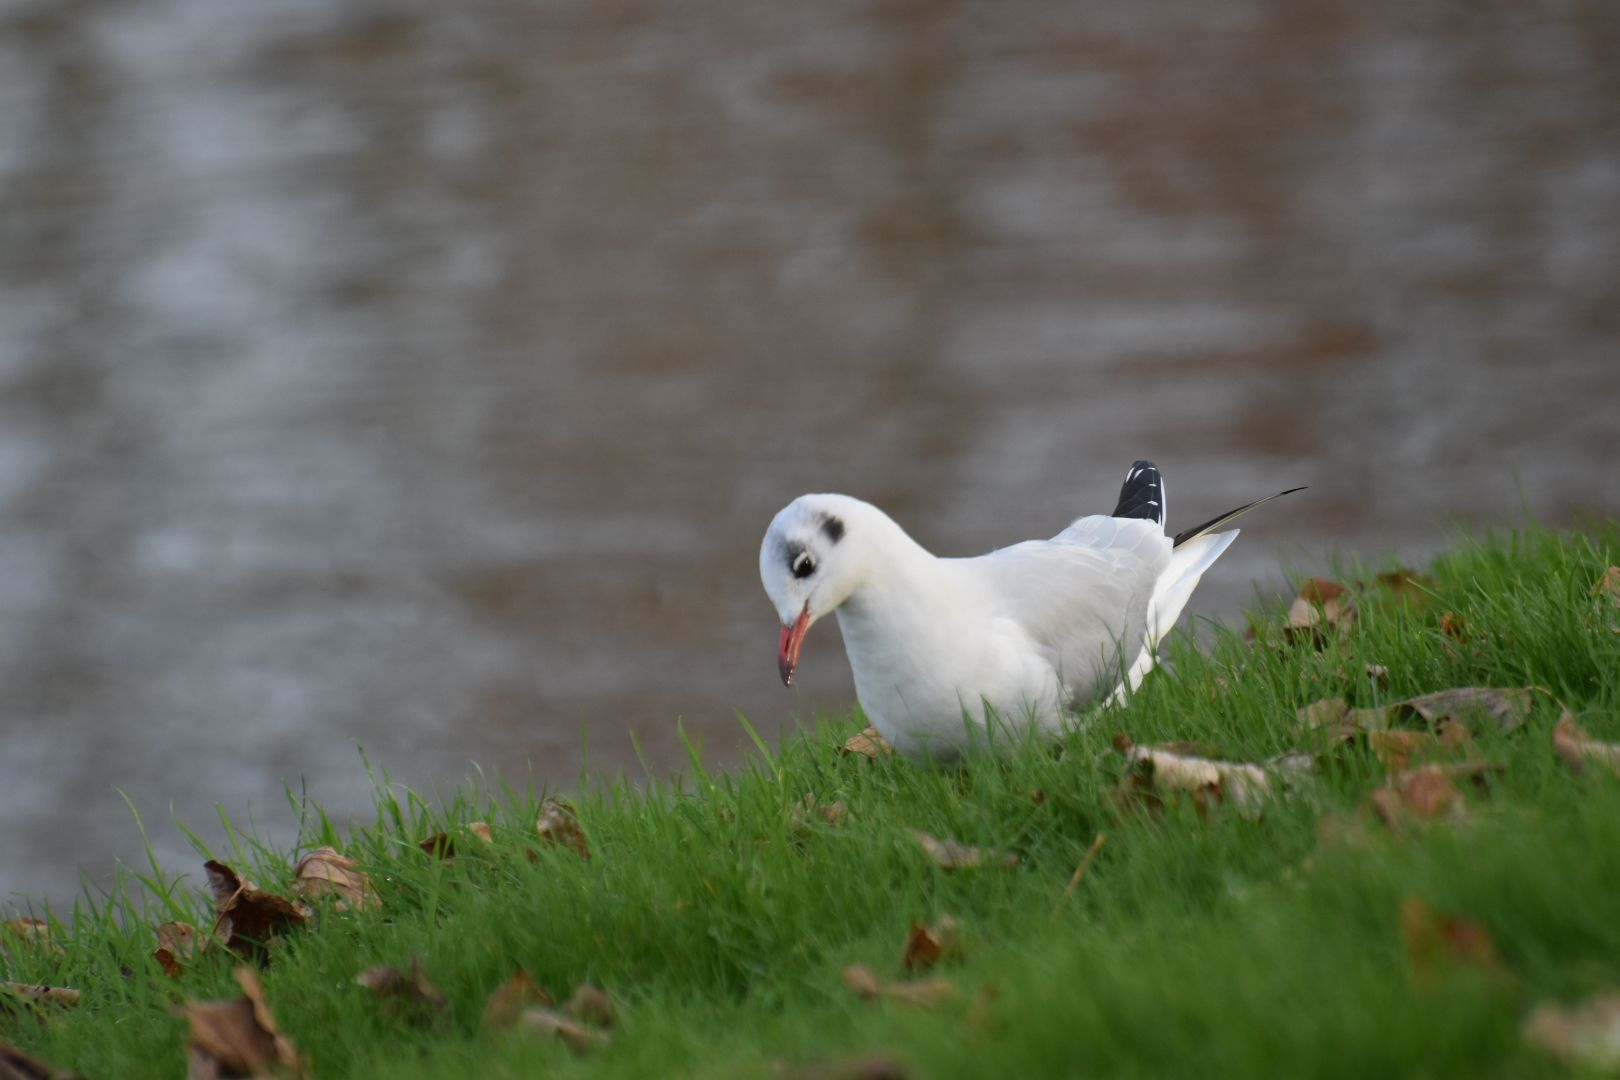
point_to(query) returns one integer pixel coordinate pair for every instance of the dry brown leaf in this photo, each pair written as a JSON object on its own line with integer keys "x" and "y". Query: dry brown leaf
{"x": 1474, "y": 707}
{"x": 928, "y": 945}
{"x": 927, "y": 993}
{"x": 1418, "y": 797}
{"x": 443, "y": 845}
{"x": 868, "y": 744}
{"x": 248, "y": 916}
{"x": 950, "y": 855}
{"x": 16, "y": 1065}
{"x": 1378, "y": 675}
{"x": 576, "y": 1036}
{"x": 1584, "y": 1037}
{"x": 31, "y": 933}
{"x": 1575, "y": 748}
{"x": 1606, "y": 601}
{"x": 862, "y": 981}
{"x": 834, "y": 814}
{"x": 508, "y": 1000}
{"x": 327, "y": 872}
{"x": 1152, "y": 772}
{"x": 407, "y": 992}
{"x": 1325, "y": 714}
{"x": 559, "y": 826}
{"x": 179, "y": 944}
{"x": 1454, "y": 626}
{"x": 1408, "y": 586}
{"x": 592, "y": 1005}
{"x": 863, "y": 1067}
{"x": 1320, "y": 614}
{"x": 1399, "y": 749}
{"x": 239, "y": 1037}
{"x": 40, "y": 994}
{"x": 1437, "y": 942}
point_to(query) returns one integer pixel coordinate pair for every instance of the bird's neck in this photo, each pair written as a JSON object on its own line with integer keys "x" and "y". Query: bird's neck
{"x": 904, "y": 607}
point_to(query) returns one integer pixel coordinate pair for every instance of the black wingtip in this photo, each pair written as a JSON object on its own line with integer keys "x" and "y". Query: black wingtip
{"x": 1221, "y": 519}
{"x": 1142, "y": 494}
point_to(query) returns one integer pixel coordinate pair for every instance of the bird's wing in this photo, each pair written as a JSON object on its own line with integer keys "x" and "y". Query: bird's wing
{"x": 1082, "y": 597}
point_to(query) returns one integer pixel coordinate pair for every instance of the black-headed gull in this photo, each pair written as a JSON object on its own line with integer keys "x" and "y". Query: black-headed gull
{"x": 1028, "y": 633}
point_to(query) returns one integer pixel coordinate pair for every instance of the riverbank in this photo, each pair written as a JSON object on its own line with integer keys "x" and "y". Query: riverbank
{"x": 1395, "y": 887}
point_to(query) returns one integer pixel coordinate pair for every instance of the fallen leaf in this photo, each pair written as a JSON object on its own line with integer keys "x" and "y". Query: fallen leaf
{"x": 239, "y": 1037}
{"x": 1454, "y": 626}
{"x": 408, "y": 992}
{"x": 1408, "y": 586}
{"x": 1321, "y": 715}
{"x": 592, "y": 1005}
{"x": 575, "y": 1035}
{"x": 443, "y": 846}
{"x": 559, "y": 826}
{"x": 1399, "y": 749}
{"x": 834, "y": 814}
{"x": 1322, "y": 612}
{"x": 928, "y": 945}
{"x": 1418, "y": 797}
{"x": 1575, "y": 748}
{"x": 326, "y": 872}
{"x": 1378, "y": 675}
{"x": 1474, "y": 707}
{"x": 927, "y": 993}
{"x": 862, "y": 1067}
{"x": 1437, "y": 942}
{"x": 248, "y": 916}
{"x": 1293, "y": 765}
{"x": 1152, "y": 772}
{"x": 178, "y": 945}
{"x": 16, "y": 1065}
{"x": 950, "y": 855}
{"x": 508, "y": 1000}
{"x": 40, "y": 994}
{"x": 868, "y": 744}
{"x": 1606, "y": 601}
{"x": 32, "y": 933}
{"x": 1585, "y": 1037}
{"x": 1429, "y": 793}
{"x": 862, "y": 981}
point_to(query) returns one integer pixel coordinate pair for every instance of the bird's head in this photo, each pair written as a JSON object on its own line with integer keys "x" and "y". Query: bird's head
{"x": 809, "y": 564}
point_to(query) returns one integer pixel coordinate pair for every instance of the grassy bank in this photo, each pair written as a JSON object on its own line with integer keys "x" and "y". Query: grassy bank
{"x": 719, "y": 916}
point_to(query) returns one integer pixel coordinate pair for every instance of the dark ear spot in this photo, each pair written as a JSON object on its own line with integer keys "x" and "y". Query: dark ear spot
{"x": 833, "y": 527}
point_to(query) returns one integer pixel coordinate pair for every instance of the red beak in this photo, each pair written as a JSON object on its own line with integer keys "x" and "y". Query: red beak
{"x": 787, "y": 651}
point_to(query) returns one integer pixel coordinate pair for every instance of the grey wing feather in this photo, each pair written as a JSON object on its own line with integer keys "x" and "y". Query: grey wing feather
{"x": 1084, "y": 594}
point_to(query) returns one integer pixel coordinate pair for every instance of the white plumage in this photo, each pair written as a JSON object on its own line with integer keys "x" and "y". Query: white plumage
{"x": 1028, "y": 633}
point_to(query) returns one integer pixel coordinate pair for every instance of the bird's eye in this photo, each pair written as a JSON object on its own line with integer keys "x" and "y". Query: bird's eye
{"x": 803, "y": 565}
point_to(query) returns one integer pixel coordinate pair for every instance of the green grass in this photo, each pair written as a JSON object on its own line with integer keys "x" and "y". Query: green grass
{"x": 1227, "y": 946}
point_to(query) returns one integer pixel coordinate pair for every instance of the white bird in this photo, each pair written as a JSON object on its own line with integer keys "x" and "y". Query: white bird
{"x": 1026, "y": 634}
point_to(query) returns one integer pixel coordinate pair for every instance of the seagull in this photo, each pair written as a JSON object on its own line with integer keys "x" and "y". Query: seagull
{"x": 1034, "y": 632}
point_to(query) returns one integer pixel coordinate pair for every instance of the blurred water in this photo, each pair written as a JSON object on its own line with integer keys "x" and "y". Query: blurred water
{"x": 422, "y": 375}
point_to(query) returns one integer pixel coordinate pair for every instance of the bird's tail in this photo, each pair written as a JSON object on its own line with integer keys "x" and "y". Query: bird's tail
{"x": 1194, "y": 551}
{"x": 1142, "y": 494}
{"x": 1171, "y": 593}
